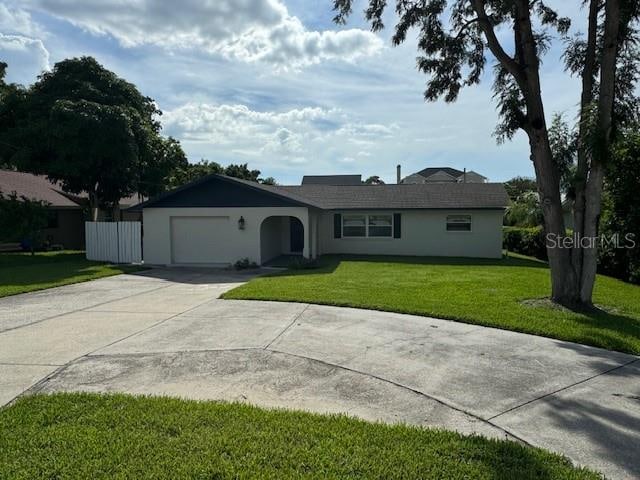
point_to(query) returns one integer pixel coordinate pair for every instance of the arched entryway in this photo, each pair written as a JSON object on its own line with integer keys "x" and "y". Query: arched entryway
{"x": 281, "y": 236}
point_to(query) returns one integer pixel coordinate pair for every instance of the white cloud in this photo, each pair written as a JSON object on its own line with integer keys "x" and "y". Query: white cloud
{"x": 26, "y": 57}
{"x": 294, "y": 136}
{"x": 248, "y": 30}
{"x": 17, "y": 21}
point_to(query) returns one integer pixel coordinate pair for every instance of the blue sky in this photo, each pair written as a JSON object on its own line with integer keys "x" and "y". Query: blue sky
{"x": 274, "y": 83}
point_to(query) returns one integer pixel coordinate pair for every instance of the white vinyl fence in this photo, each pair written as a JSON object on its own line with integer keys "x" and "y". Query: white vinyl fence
{"x": 115, "y": 242}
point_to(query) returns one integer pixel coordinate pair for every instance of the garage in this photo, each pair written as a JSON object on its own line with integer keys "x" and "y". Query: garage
{"x": 200, "y": 240}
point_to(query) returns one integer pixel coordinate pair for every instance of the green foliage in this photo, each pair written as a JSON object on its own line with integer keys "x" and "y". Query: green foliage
{"x": 479, "y": 291}
{"x": 525, "y": 211}
{"x": 23, "y": 220}
{"x": 81, "y": 435}
{"x": 518, "y": 186}
{"x": 82, "y": 125}
{"x": 621, "y": 209}
{"x": 529, "y": 241}
{"x": 374, "y": 180}
{"x": 189, "y": 172}
{"x": 245, "y": 264}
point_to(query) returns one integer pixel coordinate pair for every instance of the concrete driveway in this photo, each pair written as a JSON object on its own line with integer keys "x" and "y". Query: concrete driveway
{"x": 165, "y": 332}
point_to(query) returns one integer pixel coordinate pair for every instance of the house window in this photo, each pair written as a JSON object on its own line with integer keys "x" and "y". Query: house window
{"x": 52, "y": 219}
{"x": 380, "y": 225}
{"x": 354, "y": 226}
{"x": 458, "y": 223}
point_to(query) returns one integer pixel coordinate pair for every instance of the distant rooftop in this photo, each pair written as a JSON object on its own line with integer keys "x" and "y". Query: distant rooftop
{"x": 332, "y": 180}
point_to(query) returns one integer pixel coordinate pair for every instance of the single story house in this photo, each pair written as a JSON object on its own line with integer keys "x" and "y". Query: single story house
{"x": 218, "y": 220}
{"x": 68, "y": 212}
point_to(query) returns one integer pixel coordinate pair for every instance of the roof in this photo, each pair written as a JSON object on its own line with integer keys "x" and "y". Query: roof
{"x": 427, "y": 172}
{"x": 332, "y": 180}
{"x": 274, "y": 191}
{"x": 380, "y": 197}
{"x": 39, "y": 187}
{"x": 405, "y": 196}
{"x": 34, "y": 187}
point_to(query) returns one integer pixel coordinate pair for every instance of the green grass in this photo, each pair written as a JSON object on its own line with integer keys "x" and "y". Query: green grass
{"x": 69, "y": 436}
{"x": 23, "y": 272}
{"x": 484, "y": 292}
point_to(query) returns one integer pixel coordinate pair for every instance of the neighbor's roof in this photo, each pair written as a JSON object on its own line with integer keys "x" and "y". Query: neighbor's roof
{"x": 427, "y": 172}
{"x": 332, "y": 180}
{"x": 38, "y": 187}
{"x": 34, "y": 187}
{"x": 404, "y": 196}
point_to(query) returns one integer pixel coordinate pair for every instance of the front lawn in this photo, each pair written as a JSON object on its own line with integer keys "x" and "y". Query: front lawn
{"x": 69, "y": 436}
{"x": 23, "y": 272}
{"x": 485, "y": 292}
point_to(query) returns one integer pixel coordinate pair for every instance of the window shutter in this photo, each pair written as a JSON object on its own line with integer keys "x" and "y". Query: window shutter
{"x": 397, "y": 225}
{"x": 337, "y": 225}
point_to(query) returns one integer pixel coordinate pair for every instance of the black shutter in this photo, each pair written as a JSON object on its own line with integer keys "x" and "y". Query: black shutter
{"x": 337, "y": 225}
{"x": 397, "y": 225}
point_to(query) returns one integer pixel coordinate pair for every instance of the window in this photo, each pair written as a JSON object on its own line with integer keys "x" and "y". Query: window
{"x": 367, "y": 225}
{"x": 380, "y": 225}
{"x": 354, "y": 226}
{"x": 52, "y": 219}
{"x": 459, "y": 223}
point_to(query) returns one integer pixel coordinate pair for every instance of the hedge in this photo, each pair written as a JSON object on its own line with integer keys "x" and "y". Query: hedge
{"x": 528, "y": 241}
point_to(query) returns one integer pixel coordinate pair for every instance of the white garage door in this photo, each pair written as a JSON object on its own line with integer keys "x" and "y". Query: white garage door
{"x": 202, "y": 240}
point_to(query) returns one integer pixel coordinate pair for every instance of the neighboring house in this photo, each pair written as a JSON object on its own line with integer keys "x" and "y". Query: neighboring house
{"x": 68, "y": 211}
{"x": 444, "y": 175}
{"x": 332, "y": 180}
{"x": 218, "y": 220}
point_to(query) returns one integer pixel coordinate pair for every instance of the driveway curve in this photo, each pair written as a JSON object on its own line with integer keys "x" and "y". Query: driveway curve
{"x": 166, "y": 332}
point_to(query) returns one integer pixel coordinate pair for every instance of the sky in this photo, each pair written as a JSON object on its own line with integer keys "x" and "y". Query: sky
{"x": 276, "y": 84}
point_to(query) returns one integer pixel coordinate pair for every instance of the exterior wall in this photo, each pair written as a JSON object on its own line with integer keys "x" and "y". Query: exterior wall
{"x": 423, "y": 234}
{"x": 441, "y": 177}
{"x": 243, "y": 243}
{"x": 413, "y": 178}
{"x": 472, "y": 177}
{"x": 70, "y": 229}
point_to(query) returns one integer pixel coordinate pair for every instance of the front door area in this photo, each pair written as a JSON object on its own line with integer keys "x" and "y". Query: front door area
{"x": 296, "y": 235}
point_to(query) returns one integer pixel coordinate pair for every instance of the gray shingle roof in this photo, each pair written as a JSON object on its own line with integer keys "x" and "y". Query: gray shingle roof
{"x": 34, "y": 187}
{"x": 404, "y": 196}
{"x": 332, "y": 180}
{"x": 427, "y": 172}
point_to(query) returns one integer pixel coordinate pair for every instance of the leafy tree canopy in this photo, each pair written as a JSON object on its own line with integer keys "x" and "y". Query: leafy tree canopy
{"x": 82, "y": 125}
{"x": 374, "y": 180}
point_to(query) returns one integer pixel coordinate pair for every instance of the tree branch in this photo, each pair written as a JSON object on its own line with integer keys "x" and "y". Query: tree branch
{"x": 465, "y": 26}
{"x": 494, "y": 44}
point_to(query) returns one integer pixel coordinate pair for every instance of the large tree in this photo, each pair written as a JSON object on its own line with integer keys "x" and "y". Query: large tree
{"x": 92, "y": 131}
{"x": 454, "y": 54}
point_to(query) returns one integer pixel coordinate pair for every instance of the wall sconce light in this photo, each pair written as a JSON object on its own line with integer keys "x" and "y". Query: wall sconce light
{"x": 241, "y": 223}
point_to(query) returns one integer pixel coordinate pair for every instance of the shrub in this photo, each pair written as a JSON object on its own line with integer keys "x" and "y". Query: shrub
{"x": 245, "y": 264}
{"x": 301, "y": 263}
{"x": 528, "y": 241}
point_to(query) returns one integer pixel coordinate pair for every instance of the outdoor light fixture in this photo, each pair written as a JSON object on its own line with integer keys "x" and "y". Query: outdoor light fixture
{"x": 241, "y": 223}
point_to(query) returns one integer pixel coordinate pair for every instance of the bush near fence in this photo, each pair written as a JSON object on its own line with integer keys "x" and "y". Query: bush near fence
{"x": 528, "y": 241}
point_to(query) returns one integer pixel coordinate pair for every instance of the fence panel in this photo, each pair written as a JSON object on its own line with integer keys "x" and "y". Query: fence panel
{"x": 115, "y": 242}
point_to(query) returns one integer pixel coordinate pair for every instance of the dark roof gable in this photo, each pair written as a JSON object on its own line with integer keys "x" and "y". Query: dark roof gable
{"x": 427, "y": 172}
{"x": 227, "y": 192}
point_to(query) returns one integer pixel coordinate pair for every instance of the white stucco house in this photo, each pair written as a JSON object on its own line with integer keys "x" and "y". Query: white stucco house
{"x": 218, "y": 220}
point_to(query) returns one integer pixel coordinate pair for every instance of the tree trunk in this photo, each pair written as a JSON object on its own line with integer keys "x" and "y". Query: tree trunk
{"x": 593, "y": 195}
{"x": 564, "y": 285}
{"x": 582, "y": 169}
{"x": 93, "y": 206}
